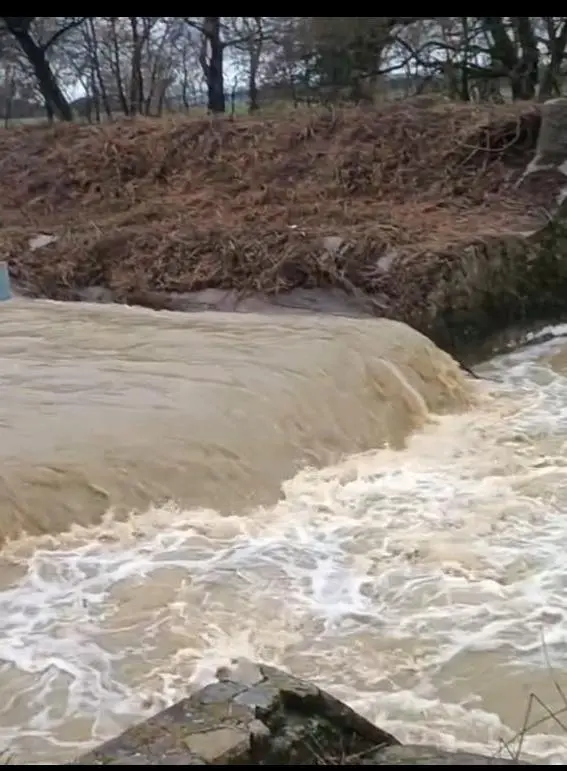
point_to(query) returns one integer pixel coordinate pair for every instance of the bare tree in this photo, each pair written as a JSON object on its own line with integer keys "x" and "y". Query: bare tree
{"x": 211, "y": 59}
{"x": 143, "y": 65}
{"x": 21, "y": 28}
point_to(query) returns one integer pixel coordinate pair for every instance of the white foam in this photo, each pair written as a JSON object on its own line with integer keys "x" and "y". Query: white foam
{"x": 377, "y": 577}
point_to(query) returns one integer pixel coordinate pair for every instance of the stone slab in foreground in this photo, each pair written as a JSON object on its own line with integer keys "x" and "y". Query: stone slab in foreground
{"x": 259, "y": 715}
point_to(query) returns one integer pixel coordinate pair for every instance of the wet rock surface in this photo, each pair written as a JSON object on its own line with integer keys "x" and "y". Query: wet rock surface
{"x": 259, "y": 715}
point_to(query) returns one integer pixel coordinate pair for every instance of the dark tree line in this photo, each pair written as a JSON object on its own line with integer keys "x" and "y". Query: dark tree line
{"x": 142, "y": 65}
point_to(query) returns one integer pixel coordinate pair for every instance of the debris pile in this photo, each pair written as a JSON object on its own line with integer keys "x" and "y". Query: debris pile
{"x": 314, "y": 198}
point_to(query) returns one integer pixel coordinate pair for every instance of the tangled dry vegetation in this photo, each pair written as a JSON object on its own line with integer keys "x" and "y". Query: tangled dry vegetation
{"x": 179, "y": 204}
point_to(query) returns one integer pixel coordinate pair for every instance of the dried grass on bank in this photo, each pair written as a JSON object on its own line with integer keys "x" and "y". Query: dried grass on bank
{"x": 180, "y": 204}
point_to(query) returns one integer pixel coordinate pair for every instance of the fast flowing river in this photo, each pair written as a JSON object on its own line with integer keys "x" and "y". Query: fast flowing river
{"x": 331, "y": 495}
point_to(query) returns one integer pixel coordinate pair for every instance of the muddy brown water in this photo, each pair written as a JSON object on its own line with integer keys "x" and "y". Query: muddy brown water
{"x": 331, "y": 495}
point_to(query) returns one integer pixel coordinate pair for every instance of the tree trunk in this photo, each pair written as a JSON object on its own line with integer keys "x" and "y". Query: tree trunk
{"x": 529, "y": 59}
{"x": 212, "y": 63}
{"x": 464, "y": 88}
{"x": 54, "y": 98}
{"x": 96, "y": 72}
{"x": 117, "y": 69}
{"x": 551, "y": 78}
{"x": 255, "y": 43}
{"x": 136, "y": 77}
{"x": 519, "y": 60}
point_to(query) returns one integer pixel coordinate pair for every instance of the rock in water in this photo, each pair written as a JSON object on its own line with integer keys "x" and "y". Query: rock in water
{"x": 259, "y": 715}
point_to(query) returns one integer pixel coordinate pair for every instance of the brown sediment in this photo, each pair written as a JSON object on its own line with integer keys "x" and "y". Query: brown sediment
{"x": 415, "y": 211}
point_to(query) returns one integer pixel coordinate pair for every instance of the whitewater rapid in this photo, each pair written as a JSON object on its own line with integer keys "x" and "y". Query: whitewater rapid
{"x": 423, "y": 582}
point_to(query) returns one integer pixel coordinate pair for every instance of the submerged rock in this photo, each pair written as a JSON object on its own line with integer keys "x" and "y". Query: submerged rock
{"x": 259, "y": 715}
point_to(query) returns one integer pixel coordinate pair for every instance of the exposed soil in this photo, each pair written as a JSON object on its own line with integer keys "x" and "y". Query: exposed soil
{"x": 180, "y": 204}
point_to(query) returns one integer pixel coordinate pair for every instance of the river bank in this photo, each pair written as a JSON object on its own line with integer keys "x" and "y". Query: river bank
{"x": 435, "y": 216}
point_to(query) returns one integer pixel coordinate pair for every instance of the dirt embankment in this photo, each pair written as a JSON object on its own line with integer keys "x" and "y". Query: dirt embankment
{"x": 412, "y": 210}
